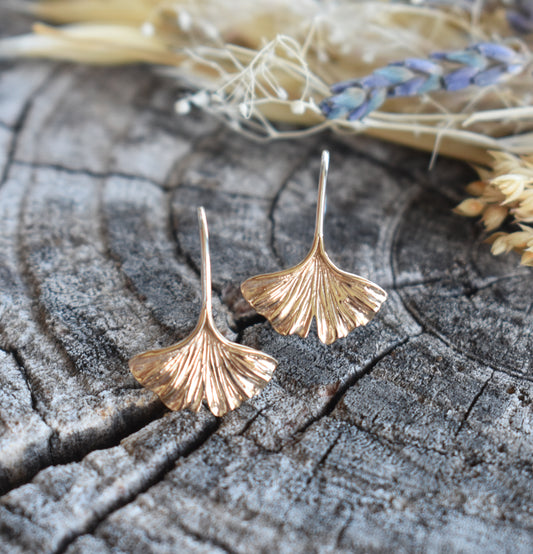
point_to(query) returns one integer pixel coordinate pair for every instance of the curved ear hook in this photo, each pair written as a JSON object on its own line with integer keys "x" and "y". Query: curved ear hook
{"x": 315, "y": 287}
{"x": 322, "y": 202}
{"x": 206, "y": 261}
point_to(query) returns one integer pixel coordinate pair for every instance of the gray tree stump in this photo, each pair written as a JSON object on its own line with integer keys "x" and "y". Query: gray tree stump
{"x": 413, "y": 434}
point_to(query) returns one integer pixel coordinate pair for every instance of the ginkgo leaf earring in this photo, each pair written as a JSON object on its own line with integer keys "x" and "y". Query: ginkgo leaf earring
{"x": 315, "y": 287}
{"x": 205, "y": 365}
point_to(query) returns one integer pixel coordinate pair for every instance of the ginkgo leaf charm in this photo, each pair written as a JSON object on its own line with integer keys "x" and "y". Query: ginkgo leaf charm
{"x": 315, "y": 287}
{"x": 205, "y": 365}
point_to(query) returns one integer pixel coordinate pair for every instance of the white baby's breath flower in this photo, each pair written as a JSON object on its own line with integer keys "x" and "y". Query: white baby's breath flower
{"x": 298, "y": 107}
{"x": 183, "y": 106}
{"x": 184, "y": 20}
{"x": 245, "y": 110}
{"x": 147, "y": 29}
{"x": 200, "y": 99}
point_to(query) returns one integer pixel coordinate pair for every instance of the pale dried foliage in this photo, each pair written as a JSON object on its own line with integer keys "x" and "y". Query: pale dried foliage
{"x": 504, "y": 193}
{"x": 261, "y": 64}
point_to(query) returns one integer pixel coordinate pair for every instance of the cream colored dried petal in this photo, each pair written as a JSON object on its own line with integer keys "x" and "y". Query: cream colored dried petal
{"x": 511, "y": 241}
{"x": 512, "y": 186}
{"x": 507, "y": 163}
{"x": 471, "y": 207}
{"x": 524, "y": 210}
{"x": 476, "y": 188}
{"x": 527, "y": 258}
{"x": 492, "y": 195}
{"x": 525, "y": 216}
{"x": 504, "y": 163}
{"x": 527, "y": 255}
{"x": 494, "y": 216}
{"x": 500, "y": 245}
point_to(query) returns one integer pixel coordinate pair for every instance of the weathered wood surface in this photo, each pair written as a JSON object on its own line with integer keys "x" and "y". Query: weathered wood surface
{"x": 413, "y": 434}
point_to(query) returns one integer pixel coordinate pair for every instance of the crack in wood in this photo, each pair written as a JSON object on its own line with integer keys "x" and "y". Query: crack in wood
{"x": 56, "y": 444}
{"x": 212, "y": 430}
{"x": 340, "y": 535}
{"x": 158, "y": 476}
{"x": 16, "y": 130}
{"x": 19, "y": 360}
{"x": 209, "y": 541}
{"x": 472, "y": 404}
{"x": 33, "y": 287}
{"x": 427, "y": 328}
{"x": 314, "y": 471}
{"x": 86, "y": 447}
{"x": 251, "y": 420}
{"x": 99, "y": 175}
{"x": 348, "y": 383}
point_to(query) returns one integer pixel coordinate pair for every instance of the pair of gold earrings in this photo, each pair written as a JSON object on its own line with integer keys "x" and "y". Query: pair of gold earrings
{"x": 207, "y": 366}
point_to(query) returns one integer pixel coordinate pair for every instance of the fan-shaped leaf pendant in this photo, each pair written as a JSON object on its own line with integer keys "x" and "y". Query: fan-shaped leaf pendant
{"x": 205, "y": 365}
{"x": 315, "y": 287}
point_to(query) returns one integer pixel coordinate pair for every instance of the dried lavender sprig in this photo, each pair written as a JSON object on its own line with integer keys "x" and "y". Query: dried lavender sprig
{"x": 519, "y": 13}
{"x": 520, "y": 16}
{"x": 481, "y": 64}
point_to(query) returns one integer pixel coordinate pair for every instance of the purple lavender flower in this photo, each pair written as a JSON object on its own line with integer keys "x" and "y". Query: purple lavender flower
{"x": 521, "y": 16}
{"x": 482, "y": 64}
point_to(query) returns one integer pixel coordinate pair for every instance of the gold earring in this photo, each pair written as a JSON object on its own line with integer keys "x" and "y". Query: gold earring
{"x": 315, "y": 287}
{"x": 205, "y": 365}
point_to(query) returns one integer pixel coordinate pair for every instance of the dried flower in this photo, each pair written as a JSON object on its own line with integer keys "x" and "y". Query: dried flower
{"x": 506, "y": 191}
{"x": 263, "y": 62}
{"x": 471, "y": 207}
{"x": 481, "y": 64}
{"x": 493, "y": 217}
{"x": 520, "y": 15}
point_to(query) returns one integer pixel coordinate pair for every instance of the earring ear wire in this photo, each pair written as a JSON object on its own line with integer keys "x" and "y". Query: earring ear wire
{"x": 315, "y": 287}
{"x": 205, "y": 365}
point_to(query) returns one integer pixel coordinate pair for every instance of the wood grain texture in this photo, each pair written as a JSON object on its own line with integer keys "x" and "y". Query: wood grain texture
{"x": 413, "y": 434}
